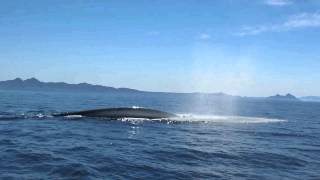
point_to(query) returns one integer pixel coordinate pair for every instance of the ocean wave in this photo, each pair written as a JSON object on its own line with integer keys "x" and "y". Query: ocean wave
{"x": 27, "y": 115}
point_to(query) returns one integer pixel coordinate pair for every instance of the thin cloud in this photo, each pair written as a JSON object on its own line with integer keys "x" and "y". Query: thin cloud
{"x": 278, "y": 2}
{"x": 303, "y": 20}
{"x": 204, "y": 36}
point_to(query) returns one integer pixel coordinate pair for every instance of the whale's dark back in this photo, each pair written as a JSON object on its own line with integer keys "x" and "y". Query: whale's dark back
{"x": 121, "y": 113}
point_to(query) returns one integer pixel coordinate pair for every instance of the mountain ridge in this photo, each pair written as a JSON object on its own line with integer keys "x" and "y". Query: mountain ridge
{"x": 35, "y": 84}
{"x": 287, "y": 97}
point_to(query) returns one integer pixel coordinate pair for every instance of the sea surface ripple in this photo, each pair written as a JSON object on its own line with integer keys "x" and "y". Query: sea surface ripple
{"x": 212, "y": 138}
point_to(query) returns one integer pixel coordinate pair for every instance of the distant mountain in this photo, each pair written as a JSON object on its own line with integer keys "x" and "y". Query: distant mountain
{"x": 287, "y": 97}
{"x": 35, "y": 84}
{"x": 310, "y": 98}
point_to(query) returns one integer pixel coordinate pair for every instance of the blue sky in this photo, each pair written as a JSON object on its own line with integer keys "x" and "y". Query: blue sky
{"x": 241, "y": 47}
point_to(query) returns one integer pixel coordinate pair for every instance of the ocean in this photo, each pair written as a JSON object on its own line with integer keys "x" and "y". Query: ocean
{"x": 215, "y": 138}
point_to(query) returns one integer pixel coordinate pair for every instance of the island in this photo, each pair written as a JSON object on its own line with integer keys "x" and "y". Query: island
{"x": 287, "y": 97}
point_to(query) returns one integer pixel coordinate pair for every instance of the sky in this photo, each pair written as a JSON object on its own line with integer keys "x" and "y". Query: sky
{"x": 239, "y": 47}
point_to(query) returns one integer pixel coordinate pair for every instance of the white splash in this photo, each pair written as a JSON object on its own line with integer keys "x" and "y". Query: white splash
{"x": 224, "y": 119}
{"x": 136, "y": 107}
{"x": 209, "y": 119}
{"x": 40, "y": 115}
{"x": 73, "y": 116}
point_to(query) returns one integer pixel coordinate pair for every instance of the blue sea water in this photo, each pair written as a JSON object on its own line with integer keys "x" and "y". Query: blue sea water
{"x": 215, "y": 138}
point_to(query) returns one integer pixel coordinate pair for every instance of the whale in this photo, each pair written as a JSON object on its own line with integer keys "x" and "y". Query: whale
{"x": 120, "y": 112}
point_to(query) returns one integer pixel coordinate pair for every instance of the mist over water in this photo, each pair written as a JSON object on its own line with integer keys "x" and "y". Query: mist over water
{"x": 213, "y": 137}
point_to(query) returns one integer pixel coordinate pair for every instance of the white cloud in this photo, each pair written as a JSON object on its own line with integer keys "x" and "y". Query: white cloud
{"x": 303, "y": 20}
{"x": 278, "y": 2}
{"x": 204, "y": 36}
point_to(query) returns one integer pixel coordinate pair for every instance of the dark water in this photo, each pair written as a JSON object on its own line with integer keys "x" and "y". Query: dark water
{"x": 220, "y": 138}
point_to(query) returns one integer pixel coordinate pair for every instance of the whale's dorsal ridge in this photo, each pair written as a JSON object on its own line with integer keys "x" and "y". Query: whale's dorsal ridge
{"x": 121, "y": 112}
